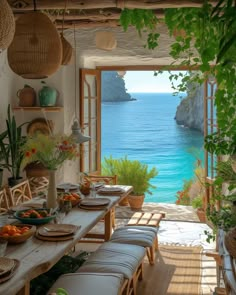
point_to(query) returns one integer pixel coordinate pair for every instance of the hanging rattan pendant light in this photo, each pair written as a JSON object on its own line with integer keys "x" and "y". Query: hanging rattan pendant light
{"x": 67, "y": 49}
{"x": 7, "y": 24}
{"x": 36, "y": 49}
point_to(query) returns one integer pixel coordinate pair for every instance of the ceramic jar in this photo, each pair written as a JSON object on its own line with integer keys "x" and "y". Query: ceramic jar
{"x": 47, "y": 96}
{"x": 27, "y": 96}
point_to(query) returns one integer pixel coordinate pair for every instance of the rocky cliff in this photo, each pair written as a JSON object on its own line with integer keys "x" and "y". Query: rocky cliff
{"x": 190, "y": 110}
{"x": 113, "y": 87}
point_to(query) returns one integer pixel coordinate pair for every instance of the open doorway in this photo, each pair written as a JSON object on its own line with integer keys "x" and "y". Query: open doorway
{"x": 144, "y": 128}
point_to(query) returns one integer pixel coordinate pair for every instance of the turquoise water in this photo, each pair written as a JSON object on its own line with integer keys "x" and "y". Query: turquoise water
{"x": 145, "y": 130}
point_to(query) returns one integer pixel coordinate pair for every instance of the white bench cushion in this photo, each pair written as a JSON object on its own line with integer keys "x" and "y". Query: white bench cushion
{"x": 114, "y": 258}
{"x": 89, "y": 283}
{"x": 135, "y": 235}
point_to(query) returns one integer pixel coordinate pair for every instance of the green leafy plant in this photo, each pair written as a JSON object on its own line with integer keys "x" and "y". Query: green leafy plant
{"x": 11, "y": 142}
{"x": 144, "y": 20}
{"x": 197, "y": 202}
{"x": 130, "y": 172}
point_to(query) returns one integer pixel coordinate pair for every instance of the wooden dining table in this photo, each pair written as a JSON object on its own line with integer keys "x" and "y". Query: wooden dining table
{"x": 38, "y": 256}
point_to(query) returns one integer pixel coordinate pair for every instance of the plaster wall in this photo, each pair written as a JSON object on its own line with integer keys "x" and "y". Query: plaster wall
{"x": 129, "y": 51}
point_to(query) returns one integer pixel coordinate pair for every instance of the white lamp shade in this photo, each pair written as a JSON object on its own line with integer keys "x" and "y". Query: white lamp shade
{"x": 76, "y": 133}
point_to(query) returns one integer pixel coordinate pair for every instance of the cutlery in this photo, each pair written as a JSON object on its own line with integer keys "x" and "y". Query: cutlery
{"x": 56, "y": 230}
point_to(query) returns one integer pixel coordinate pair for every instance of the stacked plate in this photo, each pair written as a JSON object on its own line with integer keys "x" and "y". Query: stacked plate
{"x": 8, "y": 267}
{"x": 110, "y": 191}
{"x": 94, "y": 203}
{"x": 56, "y": 232}
{"x": 68, "y": 187}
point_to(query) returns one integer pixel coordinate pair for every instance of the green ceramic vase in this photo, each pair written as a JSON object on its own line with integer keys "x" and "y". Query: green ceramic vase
{"x": 47, "y": 96}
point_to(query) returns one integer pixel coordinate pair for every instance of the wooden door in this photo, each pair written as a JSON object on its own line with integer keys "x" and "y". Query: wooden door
{"x": 90, "y": 120}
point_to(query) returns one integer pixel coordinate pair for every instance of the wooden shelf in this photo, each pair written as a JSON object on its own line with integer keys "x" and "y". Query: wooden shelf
{"x": 38, "y": 109}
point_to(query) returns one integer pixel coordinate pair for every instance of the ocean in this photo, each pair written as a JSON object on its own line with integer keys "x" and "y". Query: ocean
{"x": 145, "y": 130}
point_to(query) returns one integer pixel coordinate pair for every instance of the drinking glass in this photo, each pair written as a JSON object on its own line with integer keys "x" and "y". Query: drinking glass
{"x": 3, "y": 247}
{"x": 3, "y": 219}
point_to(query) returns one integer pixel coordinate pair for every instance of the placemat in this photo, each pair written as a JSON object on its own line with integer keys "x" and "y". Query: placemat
{"x": 112, "y": 191}
{"x": 11, "y": 273}
{"x": 54, "y": 239}
{"x": 59, "y": 230}
{"x": 92, "y": 207}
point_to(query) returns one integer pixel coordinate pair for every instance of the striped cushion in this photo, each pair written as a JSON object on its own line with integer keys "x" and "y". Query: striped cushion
{"x": 114, "y": 258}
{"x": 89, "y": 283}
{"x": 135, "y": 235}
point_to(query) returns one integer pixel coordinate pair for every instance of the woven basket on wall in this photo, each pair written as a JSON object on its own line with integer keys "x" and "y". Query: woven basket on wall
{"x": 105, "y": 40}
{"x": 67, "y": 51}
{"x": 7, "y": 24}
{"x": 36, "y": 49}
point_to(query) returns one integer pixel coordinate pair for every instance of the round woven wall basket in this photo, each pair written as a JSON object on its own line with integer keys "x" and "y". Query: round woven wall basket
{"x": 7, "y": 24}
{"x": 67, "y": 51}
{"x": 105, "y": 40}
{"x": 36, "y": 49}
{"x": 230, "y": 242}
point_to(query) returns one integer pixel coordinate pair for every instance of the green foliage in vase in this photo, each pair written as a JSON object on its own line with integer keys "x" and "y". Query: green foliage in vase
{"x": 130, "y": 172}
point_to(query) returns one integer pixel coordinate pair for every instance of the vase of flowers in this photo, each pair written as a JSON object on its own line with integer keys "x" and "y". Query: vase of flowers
{"x": 51, "y": 151}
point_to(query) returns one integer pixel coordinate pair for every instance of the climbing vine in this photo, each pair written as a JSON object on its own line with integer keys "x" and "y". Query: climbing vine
{"x": 204, "y": 38}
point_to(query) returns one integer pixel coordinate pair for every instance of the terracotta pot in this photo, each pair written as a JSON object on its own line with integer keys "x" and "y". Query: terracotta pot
{"x": 36, "y": 169}
{"x": 27, "y": 96}
{"x": 136, "y": 202}
{"x": 201, "y": 215}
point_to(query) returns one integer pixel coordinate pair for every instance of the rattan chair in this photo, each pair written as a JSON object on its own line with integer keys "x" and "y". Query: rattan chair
{"x": 108, "y": 180}
{"x": 19, "y": 193}
{"x": 4, "y": 201}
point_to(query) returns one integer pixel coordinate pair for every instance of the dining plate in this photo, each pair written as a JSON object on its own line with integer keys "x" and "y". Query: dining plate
{"x": 93, "y": 202}
{"x": 11, "y": 272}
{"x": 57, "y": 230}
{"x": 68, "y": 187}
{"x": 6, "y": 264}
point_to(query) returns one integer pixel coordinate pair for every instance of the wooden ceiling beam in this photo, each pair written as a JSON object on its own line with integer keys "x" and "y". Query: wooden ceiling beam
{"x": 87, "y": 24}
{"x": 18, "y": 5}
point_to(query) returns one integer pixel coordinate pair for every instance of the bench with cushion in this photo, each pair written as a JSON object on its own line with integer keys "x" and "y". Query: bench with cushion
{"x": 138, "y": 235}
{"x": 90, "y": 283}
{"x": 117, "y": 258}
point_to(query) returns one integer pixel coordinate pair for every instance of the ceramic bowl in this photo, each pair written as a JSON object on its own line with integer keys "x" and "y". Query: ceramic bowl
{"x": 22, "y": 237}
{"x": 31, "y": 220}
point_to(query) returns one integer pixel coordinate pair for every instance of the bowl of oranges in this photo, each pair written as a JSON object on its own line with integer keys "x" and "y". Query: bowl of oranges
{"x": 74, "y": 198}
{"x": 17, "y": 233}
{"x": 34, "y": 216}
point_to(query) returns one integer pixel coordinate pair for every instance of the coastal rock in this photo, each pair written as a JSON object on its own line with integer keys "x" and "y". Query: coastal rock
{"x": 189, "y": 112}
{"x": 113, "y": 87}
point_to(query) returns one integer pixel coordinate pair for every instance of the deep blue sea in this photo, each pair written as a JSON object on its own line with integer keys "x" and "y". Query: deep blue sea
{"x": 145, "y": 130}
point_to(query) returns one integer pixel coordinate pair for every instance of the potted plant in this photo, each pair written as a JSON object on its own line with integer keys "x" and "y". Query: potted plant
{"x": 134, "y": 173}
{"x": 11, "y": 142}
{"x": 198, "y": 205}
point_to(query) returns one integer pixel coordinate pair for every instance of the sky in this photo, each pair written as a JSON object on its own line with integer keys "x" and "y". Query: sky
{"x": 145, "y": 81}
